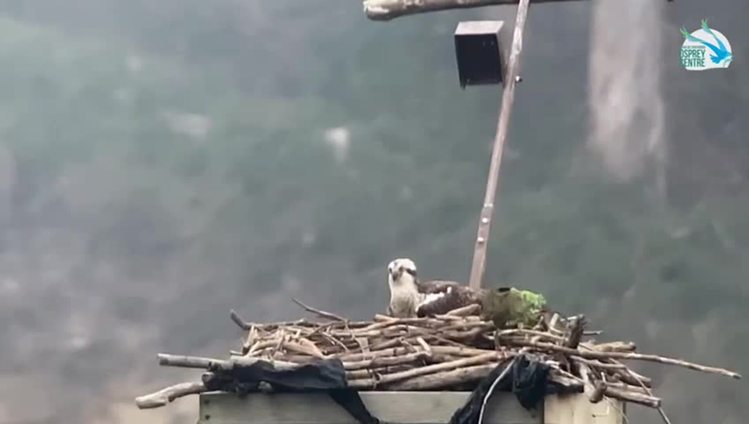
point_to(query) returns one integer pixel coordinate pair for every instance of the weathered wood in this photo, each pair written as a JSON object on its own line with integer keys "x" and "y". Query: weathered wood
{"x": 577, "y": 409}
{"x": 632, "y": 356}
{"x": 634, "y": 397}
{"x": 314, "y": 408}
{"x": 491, "y": 357}
{"x": 444, "y": 379}
{"x": 593, "y": 389}
{"x": 508, "y": 98}
{"x": 324, "y": 314}
{"x": 168, "y": 394}
{"x": 244, "y": 325}
{"x": 385, "y": 10}
{"x": 386, "y": 361}
{"x": 617, "y": 346}
{"x": 428, "y": 354}
{"x": 183, "y": 361}
{"x": 472, "y": 309}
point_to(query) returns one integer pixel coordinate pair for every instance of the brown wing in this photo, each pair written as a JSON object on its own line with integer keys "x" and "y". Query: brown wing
{"x": 452, "y": 296}
{"x": 436, "y": 286}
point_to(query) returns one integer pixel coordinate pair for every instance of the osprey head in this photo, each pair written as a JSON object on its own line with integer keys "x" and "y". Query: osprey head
{"x": 402, "y": 270}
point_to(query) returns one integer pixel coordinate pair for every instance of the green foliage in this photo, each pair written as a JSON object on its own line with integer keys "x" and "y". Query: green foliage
{"x": 177, "y": 161}
{"x": 511, "y": 307}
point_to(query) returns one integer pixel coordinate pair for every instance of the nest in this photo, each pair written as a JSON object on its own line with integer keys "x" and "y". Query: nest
{"x": 447, "y": 352}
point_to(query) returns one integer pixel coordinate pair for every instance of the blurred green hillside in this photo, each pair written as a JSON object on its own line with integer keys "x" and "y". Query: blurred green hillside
{"x": 163, "y": 162}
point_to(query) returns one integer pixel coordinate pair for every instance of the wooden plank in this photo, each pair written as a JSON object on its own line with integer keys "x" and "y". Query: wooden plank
{"x": 313, "y": 408}
{"x": 577, "y": 409}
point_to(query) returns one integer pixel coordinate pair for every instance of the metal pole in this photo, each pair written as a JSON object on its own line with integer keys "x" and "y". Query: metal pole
{"x": 508, "y": 97}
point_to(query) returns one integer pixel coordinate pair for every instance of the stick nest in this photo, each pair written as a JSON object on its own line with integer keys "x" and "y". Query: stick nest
{"x": 447, "y": 352}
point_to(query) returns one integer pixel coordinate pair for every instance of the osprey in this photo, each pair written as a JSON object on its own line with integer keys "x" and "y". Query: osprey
{"x": 411, "y": 298}
{"x": 505, "y": 306}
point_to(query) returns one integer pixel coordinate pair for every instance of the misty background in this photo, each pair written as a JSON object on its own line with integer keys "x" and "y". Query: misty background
{"x": 162, "y": 162}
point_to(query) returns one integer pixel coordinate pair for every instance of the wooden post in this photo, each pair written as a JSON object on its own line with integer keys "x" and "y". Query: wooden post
{"x": 508, "y": 97}
{"x": 385, "y": 10}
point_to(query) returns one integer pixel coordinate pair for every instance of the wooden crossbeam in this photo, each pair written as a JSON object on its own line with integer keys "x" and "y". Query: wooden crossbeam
{"x": 385, "y": 10}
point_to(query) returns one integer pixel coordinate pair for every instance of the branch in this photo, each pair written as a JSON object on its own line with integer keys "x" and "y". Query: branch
{"x": 211, "y": 364}
{"x": 323, "y": 314}
{"x": 574, "y": 333}
{"x": 167, "y": 395}
{"x": 239, "y": 321}
{"x": 472, "y": 309}
{"x": 491, "y": 357}
{"x": 593, "y": 389}
{"x": 612, "y": 347}
{"x": 635, "y": 356}
{"x": 386, "y": 361}
{"x": 633, "y": 397}
{"x": 444, "y": 379}
{"x": 385, "y": 10}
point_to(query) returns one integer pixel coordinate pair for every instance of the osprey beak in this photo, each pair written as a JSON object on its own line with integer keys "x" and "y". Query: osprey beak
{"x": 395, "y": 274}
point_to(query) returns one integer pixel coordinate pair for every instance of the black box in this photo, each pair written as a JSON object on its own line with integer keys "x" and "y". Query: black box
{"x": 479, "y": 53}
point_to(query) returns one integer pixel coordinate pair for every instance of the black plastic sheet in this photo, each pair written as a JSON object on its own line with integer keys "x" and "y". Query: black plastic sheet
{"x": 527, "y": 379}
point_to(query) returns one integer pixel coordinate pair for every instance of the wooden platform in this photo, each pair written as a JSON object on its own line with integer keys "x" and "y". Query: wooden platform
{"x": 400, "y": 407}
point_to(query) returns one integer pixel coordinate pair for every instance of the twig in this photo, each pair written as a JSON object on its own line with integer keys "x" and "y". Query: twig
{"x": 629, "y": 387}
{"x": 633, "y": 397}
{"x": 439, "y": 352}
{"x": 573, "y": 384}
{"x": 353, "y": 357}
{"x": 574, "y": 332}
{"x": 328, "y": 315}
{"x": 613, "y": 347}
{"x": 300, "y": 348}
{"x": 169, "y": 394}
{"x": 524, "y": 332}
{"x": 465, "y": 311}
{"x": 630, "y": 377}
{"x": 251, "y": 335}
{"x": 650, "y": 392}
{"x": 592, "y": 388}
{"x": 244, "y": 325}
{"x": 210, "y": 363}
{"x": 385, "y": 361}
{"x": 633, "y": 356}
{"x": 430, "y": 369}
{"x": 599, "y": 364}
{"x": 434, "y": 381}
{"x": 424, "y": 345}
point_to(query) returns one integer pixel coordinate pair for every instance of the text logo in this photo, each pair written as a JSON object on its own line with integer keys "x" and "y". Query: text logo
{"x": 705, "y": 48}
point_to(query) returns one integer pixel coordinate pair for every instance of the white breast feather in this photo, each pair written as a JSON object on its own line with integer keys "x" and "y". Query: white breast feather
{"x": 431, "y": 297}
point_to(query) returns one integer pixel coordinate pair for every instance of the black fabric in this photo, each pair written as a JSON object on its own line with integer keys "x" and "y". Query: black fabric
{"x": 322, "y": 376}
{"x": 527, "y": 379}
{"x": 349, "y": 399}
